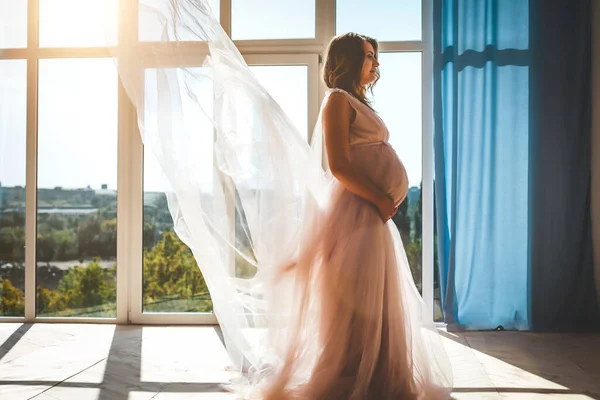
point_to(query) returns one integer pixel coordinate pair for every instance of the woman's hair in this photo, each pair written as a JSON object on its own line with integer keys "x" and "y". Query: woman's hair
{"x": 343, "y": 64}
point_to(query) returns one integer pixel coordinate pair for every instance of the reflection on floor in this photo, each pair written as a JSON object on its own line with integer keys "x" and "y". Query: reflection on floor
{"x": 76, "y": 361}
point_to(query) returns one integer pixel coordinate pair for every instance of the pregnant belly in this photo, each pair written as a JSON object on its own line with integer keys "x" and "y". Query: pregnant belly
{"x": 383, "y": 167}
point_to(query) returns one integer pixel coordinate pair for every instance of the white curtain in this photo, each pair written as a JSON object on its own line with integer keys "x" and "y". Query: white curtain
{"x": 243, "y": 216}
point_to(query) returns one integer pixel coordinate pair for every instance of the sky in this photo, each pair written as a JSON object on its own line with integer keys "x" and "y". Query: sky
{"x": 78, "y": 97}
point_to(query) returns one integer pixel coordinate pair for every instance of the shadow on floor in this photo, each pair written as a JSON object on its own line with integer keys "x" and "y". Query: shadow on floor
{"x": 571, "y": 361}
{"x": 13, "y": 339}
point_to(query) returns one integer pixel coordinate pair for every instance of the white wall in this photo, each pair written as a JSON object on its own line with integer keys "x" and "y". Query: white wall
{"x": 596, "y": 142}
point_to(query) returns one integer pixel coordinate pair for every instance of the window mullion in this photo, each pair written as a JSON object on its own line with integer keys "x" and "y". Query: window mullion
{"x": 31, "y": 163}
{"x": 427, "y": 238}
{"x": 408, "y": 46}
{"x": 129, "y": 176}
{"x": 225, "y": 16}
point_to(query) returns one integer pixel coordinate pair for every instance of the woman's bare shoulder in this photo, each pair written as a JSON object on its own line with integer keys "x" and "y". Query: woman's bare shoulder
{"x": 338, "y": 104}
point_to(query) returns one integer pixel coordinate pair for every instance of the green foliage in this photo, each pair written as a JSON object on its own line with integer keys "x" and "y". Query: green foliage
{"x": 12, "y": 243}
{"x": 408, "y": 220}
{"x": 87, "y": 286}
{"x": 402, "y": 221}
{"x": 171, "y": 278}
{"x": 414, "y": 256}
{"x": 171, "y": 270}
{"x": 13, "y": 301}
{"x": 81, "y": 287}
{"x": 97, "y": 237}
{"x": 418, "y": 216}
{"x": 172, "y": 282}
{"x": 243, "y": 268}
{"x": 48, "y": 301}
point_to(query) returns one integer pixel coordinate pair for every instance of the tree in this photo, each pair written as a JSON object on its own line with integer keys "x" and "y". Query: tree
{"x": 170, "y": 269}
{"x": 48, "y": 301}
{"x": 66, "y": 246}
{"x": 413, "y": 254}
{"x": 46, "y": 246}
{"x": 13, "y": 302}
{"x": 402, "y": 221}
{"x": 86, "y": 287}
{"x": 106, "y": 242}
{"x": 12, "y": 243}
{"x": 87, "y": 237}
{"x": 419, "y": 215}
{"x": 150, "y": 234}
{"x": 55, "y": 221}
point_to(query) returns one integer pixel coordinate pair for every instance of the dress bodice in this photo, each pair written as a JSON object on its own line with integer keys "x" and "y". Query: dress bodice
{"x": 371, "y": 151}
{"x": 367, "y": 127}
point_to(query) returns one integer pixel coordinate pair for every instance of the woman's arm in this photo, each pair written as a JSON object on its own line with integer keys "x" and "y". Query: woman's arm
{"x": 336, "y": 127}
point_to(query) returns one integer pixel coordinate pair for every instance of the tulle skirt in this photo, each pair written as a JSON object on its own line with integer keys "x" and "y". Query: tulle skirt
{"x": 357, "y": 327}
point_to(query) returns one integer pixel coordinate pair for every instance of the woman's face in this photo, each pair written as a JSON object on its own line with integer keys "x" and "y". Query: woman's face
{"x": 369, "y": 70}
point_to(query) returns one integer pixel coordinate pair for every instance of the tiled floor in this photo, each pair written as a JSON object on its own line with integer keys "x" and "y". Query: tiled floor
{"x": 82, "y": 362}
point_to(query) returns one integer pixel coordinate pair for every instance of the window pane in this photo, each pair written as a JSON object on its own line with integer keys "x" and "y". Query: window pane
{"x": 385, "y": 20}
{"x": 151, "y": 28}
{"x": 13, "y": 116}
{"x": 77, "y": 182}
{"x": 78, "y": 23}
{"x": 13, "y": 24}
{"x": 398, "y": 100}
{"x": 272, "y": 19}
{"x": 172, "y": 281}
{"x": 288, "y": 85}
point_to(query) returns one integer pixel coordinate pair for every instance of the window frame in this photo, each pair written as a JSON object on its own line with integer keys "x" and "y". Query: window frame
{"x": 130, "y": 148}
{"x": 136, "y": 314}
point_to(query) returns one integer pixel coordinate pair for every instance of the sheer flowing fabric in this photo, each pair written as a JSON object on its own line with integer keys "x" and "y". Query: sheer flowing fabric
{"x": 313, "y": 293}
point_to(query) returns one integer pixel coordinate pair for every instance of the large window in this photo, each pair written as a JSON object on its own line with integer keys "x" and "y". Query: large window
{"x": 85, "y": 227}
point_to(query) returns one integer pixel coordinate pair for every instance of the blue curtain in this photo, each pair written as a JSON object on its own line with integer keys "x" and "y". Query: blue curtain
{"x": 502, "y": 215}
{"x": 482, "y": 163}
